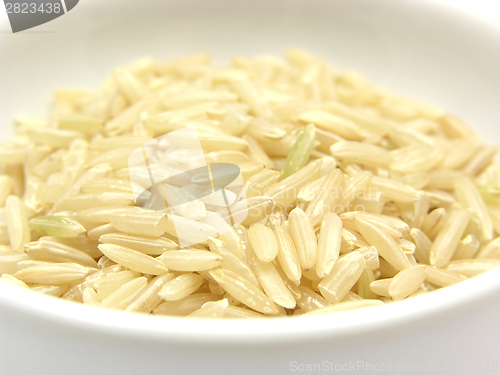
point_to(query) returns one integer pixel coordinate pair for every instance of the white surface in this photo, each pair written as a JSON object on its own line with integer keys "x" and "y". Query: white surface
{"x": 446, "y": 55}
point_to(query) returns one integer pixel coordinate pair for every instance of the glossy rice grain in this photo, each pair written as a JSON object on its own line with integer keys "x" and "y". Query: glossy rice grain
{"x": 180, "y": 287}
{"x": 147, "y": 299}
{"x": 263, "y": 242}
{"x": 190, "y": 260}
{"x": 185, "y": 306}
{"x": 55, "y": 252}
{"x": 406, "y": 282}
{"x": 245, "y": 292}
{"x": 329, "y": 241}
{"x": 387, "y": 247}
{"x": 273, "y": 285}
{"x": 132, "y": 259}
{"x": 287, "y": 254}
{"x": 448, "y": 238}
{"x": 215, "y": 309}
{"x": 146, "y": 223}
{"x": 442, "y": 277}
{"x": 147, "y": 245}
{"x": 54, "y": 273}
{"x": 344, "y": 275}
{"x": 17, "y": 223}
{"x": 304, "y": 238}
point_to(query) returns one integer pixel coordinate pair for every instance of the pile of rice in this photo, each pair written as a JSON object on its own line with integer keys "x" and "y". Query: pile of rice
{"x": 355, "y": 197}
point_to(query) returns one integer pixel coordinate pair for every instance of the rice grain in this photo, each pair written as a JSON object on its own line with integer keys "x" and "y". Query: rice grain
{"x": 55, "y": 273}
{"x": 273, "y": 285}
{"x": 17, "y": 223}
{"x": 448, "y": 238}
{"x": 287, "y": 254}
{"x": 344, "y": 275}
{"x": 215, "y": 309}
{"x": 387, "y": 247}
{"x": 304, "y": 238}
{"x": 406, "y": 282}
{"x": 244, "y": 291}
{"x": 329, "y": 241}
{"x": 147, "y": 299}
{"x": 180, "y": 287}
{"x": 190, "y": 260}
{"x": 263, "y": 242}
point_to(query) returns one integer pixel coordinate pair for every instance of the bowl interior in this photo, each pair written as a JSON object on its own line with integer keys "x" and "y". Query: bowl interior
{"x": 432, "y": 52}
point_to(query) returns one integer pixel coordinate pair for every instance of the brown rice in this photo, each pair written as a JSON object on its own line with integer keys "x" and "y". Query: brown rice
{"x": 349, "y": 196}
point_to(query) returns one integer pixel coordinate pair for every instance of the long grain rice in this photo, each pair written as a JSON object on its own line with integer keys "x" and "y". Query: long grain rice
{"x": 236, "y": 312}
{"x": 186, "y": 305}
{"x": 132, "y": 259}
{"x": 246, "y": 292}
{"x": 287, "y": 190}
{"x": 309, "y": 300}
{"x": 122, "y": 297}
{"x": 14, "y": 281}
{"x": 10, "y": 260}
{"x": 346, "y": 192}
{"x": 363, "y": 285}
{"x": 472, "y": 267}
{"x": 344, "y": 275}
{"x": 422, "y": 245}
{"x": 327, "y": 197}
{"x": 140, "y": 222}
{"x": 232, "y": 262}
{"x": 57, "y": 226}
{"x": 434, "y": 222}
{"x": 341, "y": 126}
{"x": 468, "y": 247}
{"x": 107, "y": 283}
{"x": 6, "y": 188}
{"x": 56, "y": 273}
{"x": 361, "y": 153}
{"x": 304, "y": 238}
{"x": 215, "y": 309}
{"x": 381, "y": 287}
{"x": 52, "y": 290}
{"x": 287, "y": 254}
{"x": 147, "y": 299}
{"x": 395, "y": 190}
{"x": 17, "y": 223}
{"x": 448, "y": 238}
{"x": 387, "y": 247}
{"x": 406, "y": 282}
{"x": 300, "y": 151}
{"x": 442, "y": 277}
{"x": 329, "y": 241}
{"x": 190, "y": 260}
{"x": 263, "y": 242}
{"x": 180, "y": 287}
{"x": 371, "y": 257}
{"x": 273, "y": 285}
{"x": 55, "y": 252}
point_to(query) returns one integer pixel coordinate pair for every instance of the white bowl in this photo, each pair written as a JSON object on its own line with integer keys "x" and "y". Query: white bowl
{"x": 426, "y": 49}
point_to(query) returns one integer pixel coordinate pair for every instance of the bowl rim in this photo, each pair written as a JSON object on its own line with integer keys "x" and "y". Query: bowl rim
{"x": 91, "y": 319}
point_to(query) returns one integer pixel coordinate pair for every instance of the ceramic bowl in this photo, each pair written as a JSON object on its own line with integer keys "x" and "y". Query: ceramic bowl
{"x": 429, "y": 50}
